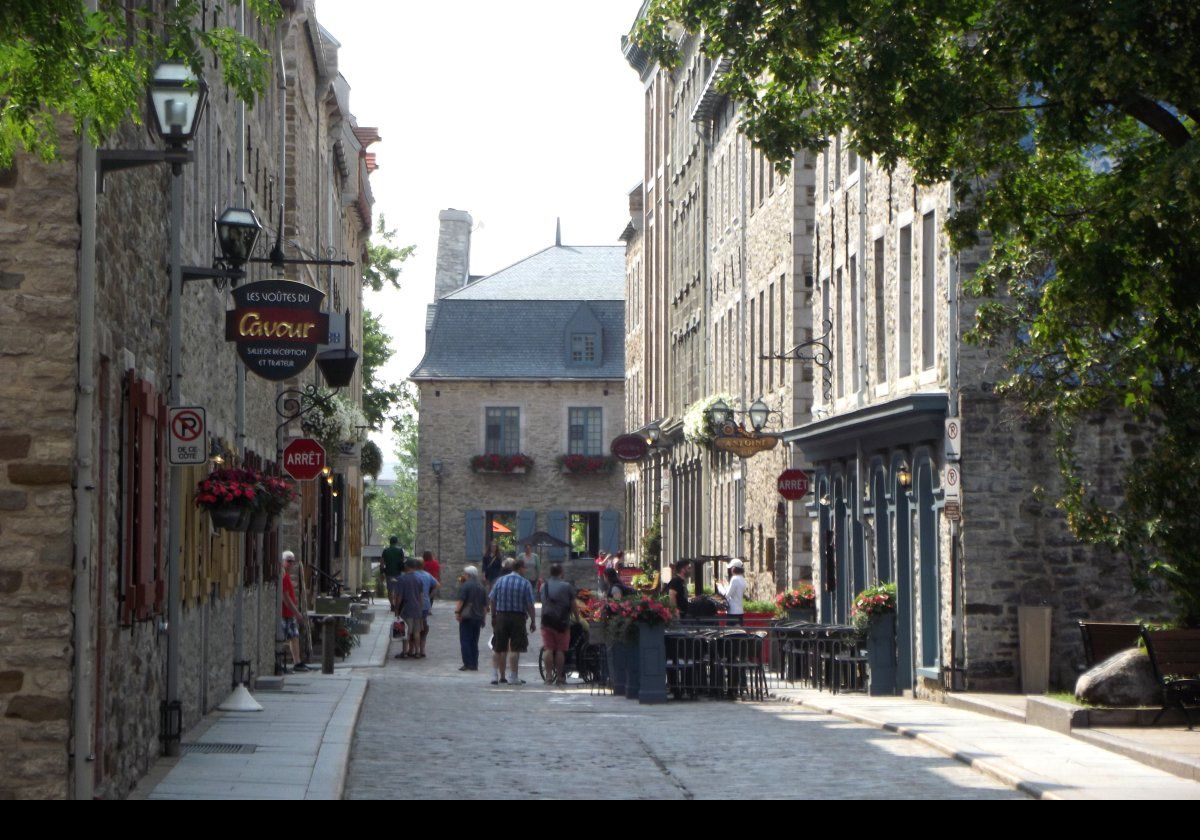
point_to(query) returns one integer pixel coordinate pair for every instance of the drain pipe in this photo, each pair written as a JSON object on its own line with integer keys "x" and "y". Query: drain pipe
{"x": 281, "y": 104}
{"x": 82, "y": 757}
{"x": 958, "y": 618}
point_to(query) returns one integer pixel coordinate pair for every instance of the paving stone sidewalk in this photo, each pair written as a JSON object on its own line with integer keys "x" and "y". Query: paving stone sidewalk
{"x": 300, "y": 741}
{"x": 1042, "y": 763}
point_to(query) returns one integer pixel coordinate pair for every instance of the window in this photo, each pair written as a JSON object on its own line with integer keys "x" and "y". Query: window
{"x": 837, "y": 162}
{"x": 585, "y": 534}
{"x": 928, "y": 290}
{"x": 584, "y": 432}
{"x": 880, "y": 327}
{"x": 854, "y": 360}
{"x": 503, "y": 433}
{"x": 583, "y": 347}
{"x": 904, "y": 305}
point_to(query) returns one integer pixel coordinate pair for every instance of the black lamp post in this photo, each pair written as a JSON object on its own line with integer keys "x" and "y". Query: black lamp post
{"x": 759, "y": 412}
{"x": 237, "y": 233}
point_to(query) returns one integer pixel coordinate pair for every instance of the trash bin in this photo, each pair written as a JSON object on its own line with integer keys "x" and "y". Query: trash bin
{"x": 1033, "y": 628}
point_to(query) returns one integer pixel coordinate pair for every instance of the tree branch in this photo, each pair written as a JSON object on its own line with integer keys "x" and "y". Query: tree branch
{"x": 1157, "y": 118}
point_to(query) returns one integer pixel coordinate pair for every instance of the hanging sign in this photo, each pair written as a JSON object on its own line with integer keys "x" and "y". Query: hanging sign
{"x": 745, "y": 444}
{"x": 278, "y": 327}
{"x": 793, "y": 484}
{"x": 188, "y": 441}
{"x": 303, "y": 459}
{"x": 629, "y": 447}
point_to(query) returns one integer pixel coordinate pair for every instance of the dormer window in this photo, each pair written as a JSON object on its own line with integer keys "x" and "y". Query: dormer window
{"x": 583, "y": 348}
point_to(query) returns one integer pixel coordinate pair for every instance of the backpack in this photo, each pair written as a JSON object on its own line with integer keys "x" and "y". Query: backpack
{"x": 555, "y": 614}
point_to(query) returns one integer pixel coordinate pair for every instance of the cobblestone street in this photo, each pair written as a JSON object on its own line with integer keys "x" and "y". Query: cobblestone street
{"x": 429, "y": 731}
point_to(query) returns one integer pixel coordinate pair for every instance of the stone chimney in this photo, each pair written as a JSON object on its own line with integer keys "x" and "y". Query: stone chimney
{"x": 453, "y": 253}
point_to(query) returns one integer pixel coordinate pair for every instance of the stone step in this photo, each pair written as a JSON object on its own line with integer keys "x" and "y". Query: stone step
{"x": 985, "y": 706}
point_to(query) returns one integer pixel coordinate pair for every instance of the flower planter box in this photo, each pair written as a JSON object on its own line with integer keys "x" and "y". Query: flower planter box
{"x": 617, "y": 666}
{"x": 652, "y": 664}
{"x": 633, "y": 670}
{"x": 881, "y": 656}
{"x": 513, "y": 471}
{"x": 808, "y": 614}
{"x": 585, "y": 473}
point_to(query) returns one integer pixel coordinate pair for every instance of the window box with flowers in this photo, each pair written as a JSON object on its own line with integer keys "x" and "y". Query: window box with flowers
{"x": 586, "y": 464}
{"x": 697, "y": 428}
{"x": 800, "y": 603}
{"x": 501, "y": 464}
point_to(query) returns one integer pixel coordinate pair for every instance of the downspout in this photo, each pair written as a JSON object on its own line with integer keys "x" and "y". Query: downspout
{"x": 82, "y": 757}
{"x": 740, "y": 500}
{"x": 860, "y": 352}
{"x": 705, "y": 482}
{"x": 281, "y": 86}
{"x": 239, "y": 638}
{"x": 958, "y": 619}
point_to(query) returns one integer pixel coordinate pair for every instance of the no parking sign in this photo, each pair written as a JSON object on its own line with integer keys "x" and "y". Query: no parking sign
{"x": 187, "y": 428}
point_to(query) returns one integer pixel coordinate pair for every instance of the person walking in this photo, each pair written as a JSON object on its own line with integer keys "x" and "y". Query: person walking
{"x": 511, "y": 601}
{"x": 410, "y": 597}
{"x": 393, "y": 567}
{"x": 558, "y": 604}
{"x": 734, "y": 593}
{"x": 429, "y": 587}
{"x": 492, "y": 564}
{"x": 470, "y": 611}
{"x": 291, "y": 615}
{"x": 431, "y": 565}
{"x": 533, "y": 567}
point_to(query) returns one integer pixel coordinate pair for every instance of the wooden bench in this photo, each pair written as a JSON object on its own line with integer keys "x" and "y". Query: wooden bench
{"x": 1102, "y": 640}
{"x": 1175, "y": 657}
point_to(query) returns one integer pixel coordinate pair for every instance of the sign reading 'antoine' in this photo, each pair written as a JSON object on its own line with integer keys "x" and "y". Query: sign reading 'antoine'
{"x": 278, "y": 326}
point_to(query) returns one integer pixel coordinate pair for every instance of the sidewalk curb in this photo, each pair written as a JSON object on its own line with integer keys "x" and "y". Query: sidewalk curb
{"x": 999, "y": 771}
{"x": 328, "y": 780}
{"x": 1182, "y": 766}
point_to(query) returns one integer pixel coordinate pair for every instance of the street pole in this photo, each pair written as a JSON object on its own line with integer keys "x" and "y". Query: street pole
{"x": 439, "y": 518}
{"x": 173, "y": 587}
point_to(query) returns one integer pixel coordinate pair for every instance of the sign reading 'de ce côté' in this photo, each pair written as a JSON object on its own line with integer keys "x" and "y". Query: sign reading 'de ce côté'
{"x": 278, "y": 327}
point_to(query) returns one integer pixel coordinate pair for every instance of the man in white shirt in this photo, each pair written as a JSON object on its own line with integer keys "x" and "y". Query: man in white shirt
{"x": 735, "y": 592}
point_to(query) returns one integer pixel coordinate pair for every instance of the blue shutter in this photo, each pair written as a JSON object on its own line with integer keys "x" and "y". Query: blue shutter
{"x": 556, "y": 526}
{"x": 474, "y": 537}
{"x": 610, "y": 531}
{"x": 526, "y": 525}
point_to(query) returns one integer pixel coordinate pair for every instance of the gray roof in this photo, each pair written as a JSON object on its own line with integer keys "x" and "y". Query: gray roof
{"x": 517, "y": 339}
{"x": 561, "y": 272}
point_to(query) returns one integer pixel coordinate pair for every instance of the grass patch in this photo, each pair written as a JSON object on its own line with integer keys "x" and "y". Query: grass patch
{"x": 1069, "y": 697}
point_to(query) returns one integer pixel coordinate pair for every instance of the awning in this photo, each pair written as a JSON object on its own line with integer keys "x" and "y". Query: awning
{"x": 903, "y": 421}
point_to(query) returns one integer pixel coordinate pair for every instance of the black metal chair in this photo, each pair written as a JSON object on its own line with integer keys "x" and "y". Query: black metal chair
{"x": 1175, "y": 657}
{"x": 738, "y": 665}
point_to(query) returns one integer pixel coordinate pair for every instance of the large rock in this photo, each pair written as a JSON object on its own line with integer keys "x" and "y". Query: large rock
{"x": 1126, "y": 679}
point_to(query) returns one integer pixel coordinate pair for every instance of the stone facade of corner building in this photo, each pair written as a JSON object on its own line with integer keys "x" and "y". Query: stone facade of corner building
{"x": 725, "y": 241}
{"x": 124, "y": 661}
{"x": 550, "y": 384}
{"x": 889, "y": 284}
{"x": 451, "y": 429}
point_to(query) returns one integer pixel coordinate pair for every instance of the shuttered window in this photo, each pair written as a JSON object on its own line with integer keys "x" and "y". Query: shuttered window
{"x": 144, "y": 491}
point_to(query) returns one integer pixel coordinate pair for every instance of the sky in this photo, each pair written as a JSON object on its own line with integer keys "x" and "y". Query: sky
{"x": 518, "y": 111}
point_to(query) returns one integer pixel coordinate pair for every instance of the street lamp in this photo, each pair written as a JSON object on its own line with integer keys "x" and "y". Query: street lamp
{"x": 653, "y": 433}
{"x": 177, "y": 99}
{"x": 237, "y": 233}
{"x": 719, "y": 413}
{"x": 759, "y": 411}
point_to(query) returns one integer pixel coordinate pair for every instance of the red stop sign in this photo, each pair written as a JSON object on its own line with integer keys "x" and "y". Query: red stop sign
{"x": 793, "y": 484}
{"x": 303, "y": 459}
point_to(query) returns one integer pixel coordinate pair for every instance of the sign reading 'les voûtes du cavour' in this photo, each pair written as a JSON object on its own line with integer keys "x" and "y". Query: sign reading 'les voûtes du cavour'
{"x": 278, "y": 326}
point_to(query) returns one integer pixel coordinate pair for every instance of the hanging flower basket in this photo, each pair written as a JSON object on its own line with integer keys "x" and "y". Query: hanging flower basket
{"x": 501, "y": 464}
{"x": 231, "y": 496}
{"x": 696, "y": 426}
{"x": 586, "y": 464}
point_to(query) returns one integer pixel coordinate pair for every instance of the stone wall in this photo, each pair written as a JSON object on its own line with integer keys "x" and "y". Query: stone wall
{"x": 451, "y": 429}
{"x": 38, "y": 241}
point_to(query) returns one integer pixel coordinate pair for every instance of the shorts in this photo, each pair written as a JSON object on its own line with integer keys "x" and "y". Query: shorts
{"x": 290, "y": 628}
{"x": 393, "y": 584}
{"x": 416, "y": 626}
{"x": 556, "y": 640}
{"x": 508, "y": 632}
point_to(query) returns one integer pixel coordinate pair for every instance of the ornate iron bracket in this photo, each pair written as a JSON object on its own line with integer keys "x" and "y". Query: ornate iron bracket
{"x": 820, "y": 354}
{"x": 294, "y": 403}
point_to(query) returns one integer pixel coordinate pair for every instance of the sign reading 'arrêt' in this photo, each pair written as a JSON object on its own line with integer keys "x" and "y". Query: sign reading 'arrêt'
{"x": 303, "y": 459}
{"x": 278, "y": 327}
{"x": 793, "y": 484}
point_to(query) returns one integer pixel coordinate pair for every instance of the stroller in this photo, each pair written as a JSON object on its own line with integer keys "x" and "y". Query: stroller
{"x": 584, "y": 659}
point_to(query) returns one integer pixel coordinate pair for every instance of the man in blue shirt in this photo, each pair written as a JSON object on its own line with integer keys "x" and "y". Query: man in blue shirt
{"x": 512, "y": 600}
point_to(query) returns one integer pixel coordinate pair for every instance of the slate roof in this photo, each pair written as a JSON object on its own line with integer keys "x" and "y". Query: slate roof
{"x": 561, "y": 272}
{"x": 512, "y": 324}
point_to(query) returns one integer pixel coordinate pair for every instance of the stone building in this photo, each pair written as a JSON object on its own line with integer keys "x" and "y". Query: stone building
{"x": 719, "y": 267}
{"x": 961, "y": 535}
{"x": 525, "y": 362}
{"x": 84, "y": 481}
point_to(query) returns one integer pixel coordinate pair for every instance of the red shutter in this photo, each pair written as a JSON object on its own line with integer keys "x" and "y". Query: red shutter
{"x": 129, "y": 502}
{"x": 147, "y": 510}
{"x": 162, "y": 500}
{"x": 145, "y": 488}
